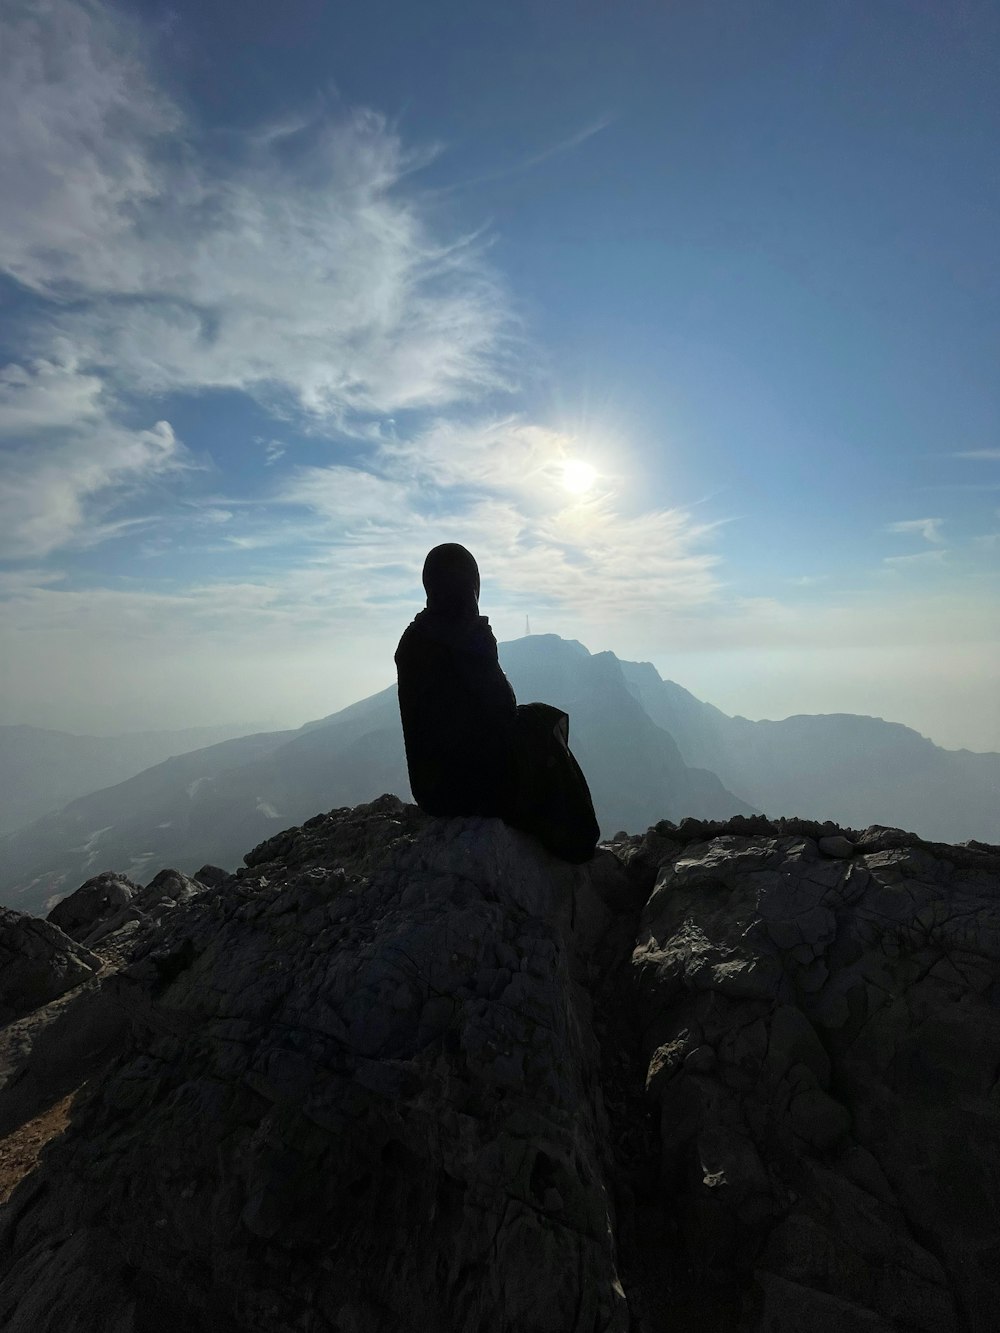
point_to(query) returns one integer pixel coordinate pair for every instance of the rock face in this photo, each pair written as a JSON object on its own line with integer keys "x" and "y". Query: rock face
{"x": 402, "y": 1073}
{"x": 822, "y": 1039}
{"x": 109, "y": 902}
{"x": 363, "y": 1094}
{"x": 38, "y": 963}
{"x": 94, "y": 901}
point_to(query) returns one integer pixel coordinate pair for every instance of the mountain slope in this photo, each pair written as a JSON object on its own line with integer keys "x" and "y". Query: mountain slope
{"x": 40, "y": 769}
{"x": 210, "y": 805}
{"x": 854, "y": 770}
{"x": 648, "y": 747}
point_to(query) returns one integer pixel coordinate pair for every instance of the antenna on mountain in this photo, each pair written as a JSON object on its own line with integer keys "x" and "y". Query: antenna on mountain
{"x": 527, "y": 626}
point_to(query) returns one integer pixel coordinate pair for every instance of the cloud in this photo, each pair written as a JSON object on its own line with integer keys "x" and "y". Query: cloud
{"x": 928, "y": 528}
{"x": 570, "y": 142}
{"x": 495, "y": 487}
{"x": 44, "y": 396}
{"x": 352, "y": 498}
{"x": 297, "y": 268}
{"x": 213, "y": 514}
{"x": 984, "y": 455}
{"x": 27, "y": 579}
{"x": 82, "y": 123}
{"x": 919, "y": 560}
{"x": 300, "y": 268}
{"x": 508, "y": 456}
{"x": 540, "y": 155}
{"x": 61, "y": 490}
{"x": 274, "y": 451}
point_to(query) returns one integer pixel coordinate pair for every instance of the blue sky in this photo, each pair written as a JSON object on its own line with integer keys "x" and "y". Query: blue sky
{"x": 291, "y": 293}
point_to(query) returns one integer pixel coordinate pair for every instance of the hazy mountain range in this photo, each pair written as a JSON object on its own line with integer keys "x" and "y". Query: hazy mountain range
{"x": 41, "y": 769}
{"x": 650, "y": 750}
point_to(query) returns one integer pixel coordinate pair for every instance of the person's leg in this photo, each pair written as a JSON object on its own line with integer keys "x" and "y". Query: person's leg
{"x": 551, "y": 799}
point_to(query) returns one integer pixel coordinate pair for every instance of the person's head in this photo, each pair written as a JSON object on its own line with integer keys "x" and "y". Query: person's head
{"x": 451, "y": 581}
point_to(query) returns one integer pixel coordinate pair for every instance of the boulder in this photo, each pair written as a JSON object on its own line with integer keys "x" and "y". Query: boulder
{"x": 93, "y": 902}
{"x": 38, "y": 963}
{"x": 213, "y": 877}
{"x": 167, "y": 889}
{"x": 837, "y": 845}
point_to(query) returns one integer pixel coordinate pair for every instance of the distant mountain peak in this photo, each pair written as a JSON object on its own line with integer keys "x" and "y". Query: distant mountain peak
{"x": 648, "y": 747}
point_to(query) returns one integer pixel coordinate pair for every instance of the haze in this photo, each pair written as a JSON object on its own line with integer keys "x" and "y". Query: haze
{"x": 682, "y": 318}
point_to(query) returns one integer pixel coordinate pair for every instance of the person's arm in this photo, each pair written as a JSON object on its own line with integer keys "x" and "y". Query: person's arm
{"x": 484, "y": 678}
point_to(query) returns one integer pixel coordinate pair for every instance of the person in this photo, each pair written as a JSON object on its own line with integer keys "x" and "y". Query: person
{"x": 471, "y": 749}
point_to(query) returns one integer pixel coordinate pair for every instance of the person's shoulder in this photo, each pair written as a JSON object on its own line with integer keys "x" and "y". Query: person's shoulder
{"x": 410, "y": 637}
{"x": 481, "y": 637}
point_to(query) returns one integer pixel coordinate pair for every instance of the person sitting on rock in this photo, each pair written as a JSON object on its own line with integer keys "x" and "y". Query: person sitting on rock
{"x": 471, "y": 749}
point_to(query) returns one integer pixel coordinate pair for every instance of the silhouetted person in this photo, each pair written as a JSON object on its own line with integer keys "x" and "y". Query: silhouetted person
{"x": 470, "y": 748}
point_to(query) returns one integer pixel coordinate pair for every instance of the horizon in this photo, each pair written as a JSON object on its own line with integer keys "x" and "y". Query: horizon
{"x": 684, "y": 322}
{"x": 271, "y": 725}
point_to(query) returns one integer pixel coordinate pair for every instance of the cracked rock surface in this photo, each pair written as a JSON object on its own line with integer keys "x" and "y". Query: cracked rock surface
{"x": 821, "y": 1036}
{"x": 402, "y": 1074}
{"x": 362, "y": 1093}
{"x": 38, "y": 963}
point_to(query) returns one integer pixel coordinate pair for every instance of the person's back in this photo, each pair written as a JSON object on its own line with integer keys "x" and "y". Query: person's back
{"x": 470, "y": 748}
{"x": 456, "y": 705}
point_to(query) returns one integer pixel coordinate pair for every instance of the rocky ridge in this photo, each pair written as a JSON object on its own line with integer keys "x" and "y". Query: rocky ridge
{"x": 400, "y": 1073}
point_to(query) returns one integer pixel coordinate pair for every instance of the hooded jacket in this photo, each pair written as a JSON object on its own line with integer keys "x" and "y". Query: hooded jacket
{"x": 457, "y": 707}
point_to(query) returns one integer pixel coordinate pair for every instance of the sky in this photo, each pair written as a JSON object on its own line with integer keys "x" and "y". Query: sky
{"x": 683, "y": 317}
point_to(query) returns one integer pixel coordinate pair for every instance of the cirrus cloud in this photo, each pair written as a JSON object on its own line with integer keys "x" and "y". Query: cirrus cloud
{"x": 297, "y": 265}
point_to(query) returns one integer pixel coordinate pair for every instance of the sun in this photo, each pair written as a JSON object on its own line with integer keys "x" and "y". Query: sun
{"x": 578, "y": 477}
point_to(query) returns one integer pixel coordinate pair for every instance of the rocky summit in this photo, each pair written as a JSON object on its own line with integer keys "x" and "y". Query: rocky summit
{"x": 400, "y": 1073}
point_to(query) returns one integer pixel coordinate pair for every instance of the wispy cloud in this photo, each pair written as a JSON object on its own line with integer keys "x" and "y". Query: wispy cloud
{"x": 274, "y": 451}
{"x": 68, "y": 463}
{"x": 496, "y": 486}
{"x": 534, "y": 159}
{"x": 27, "y": 579}
{"x": 918, "y": 560}
{"x": 296, "y": 265}
{"x": 928, "y": 528}
{"x": 299, "y": 269}
{"x": 983, "y": 455}
{"x": 570, "y": 142}
{"x": 46, "y": 396}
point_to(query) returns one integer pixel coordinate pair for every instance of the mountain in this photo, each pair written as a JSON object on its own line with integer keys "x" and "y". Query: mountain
{"x": 211, "y": 804}
{"x": 649, "y": 749}
{"x": 401, "y": 1073}
{"x": 834, "y": 766}
{"x": 40, "y": 770}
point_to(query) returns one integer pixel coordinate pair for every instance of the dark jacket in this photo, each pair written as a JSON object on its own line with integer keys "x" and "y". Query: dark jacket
{"x": 470, "y": 749}
{"x": 458, "y": 713}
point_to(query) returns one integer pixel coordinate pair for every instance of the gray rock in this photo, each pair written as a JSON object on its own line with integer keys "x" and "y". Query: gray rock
{"x": 837, "y": 845}
{"x": 38, "y": 963}
{"x": 863, "y": 1080}
{"x": 325, "y": 1122}
{"x": 93, "y": 902}
{"x": 402, "y": 1072}
{"x": 213, "y": 877}
{"x": 169, "y": 886}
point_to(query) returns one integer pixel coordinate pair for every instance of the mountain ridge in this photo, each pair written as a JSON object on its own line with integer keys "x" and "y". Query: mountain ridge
{"x": 648, "y": 746}
{"x": 42, "y": 768}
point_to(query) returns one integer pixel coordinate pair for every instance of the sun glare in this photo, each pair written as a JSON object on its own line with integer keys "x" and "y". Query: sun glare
{"x": 578, "y": 476}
